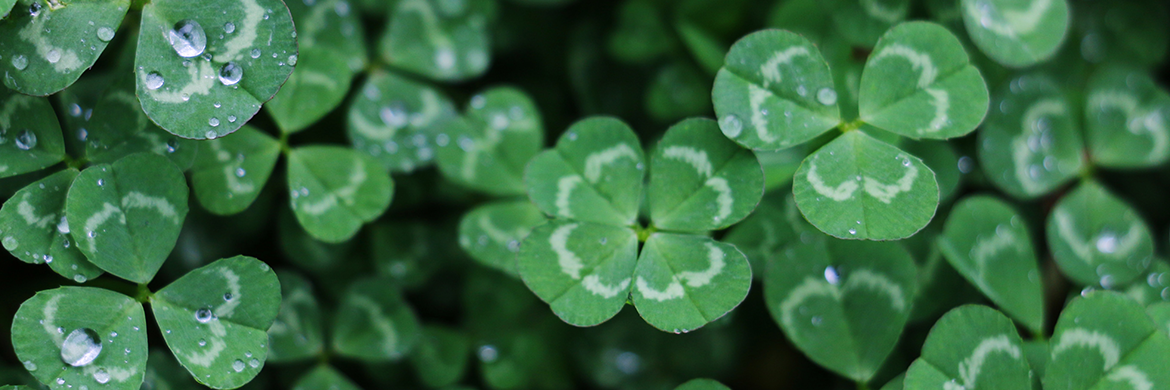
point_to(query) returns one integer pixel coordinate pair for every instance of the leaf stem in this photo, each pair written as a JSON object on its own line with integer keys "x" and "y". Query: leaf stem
{"x": 862, "y": 386}
{"x": 644, "y": 233}
{"x": 284, "y": 149}
{"x": 846, "y": 127}
{"x": 144, "y": 293}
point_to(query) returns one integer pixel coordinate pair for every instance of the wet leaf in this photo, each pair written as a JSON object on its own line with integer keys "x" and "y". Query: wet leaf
{"x": 684, "y": 281}
{"x": 373, "y": 323}
{"x": 47, "y": 45}
{"x": 297, "y": 333}
{"x": 1097, "y": 239}
{"x": 335, "y": 190}
{"x": 230, "y": 172}
{"x": 1106, "y": 340}
{"x": 1017, "y": 33}
{"x": 492, "y": 233}
{"x": 440, "y": 40}
{"x": 488, "y": 147}
{"x": 1126, "y": 118}
{"x": 30, "y": 136}
{"x": 33, "y": 228}
{"x": 441, "y": 357}
{"x": 971, "y": 347}
{"x": 324, "y": 377}
{"x": 119, "y": 128}
{"x": 395, "y": 120}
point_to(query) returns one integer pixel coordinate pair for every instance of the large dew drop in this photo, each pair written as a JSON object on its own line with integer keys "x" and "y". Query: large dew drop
{"x": 187, "y": 38}
{"x": 81, "y": 347}
{"x": 154, "y": 81}
{"x": 19, "y": 62}
{"x": 204, "y": 315}
{"x": 730, "y": 125}
{"x": 105, "y": 33}
{"x": 26, "y": 140}
{"x": 230, "y": 73}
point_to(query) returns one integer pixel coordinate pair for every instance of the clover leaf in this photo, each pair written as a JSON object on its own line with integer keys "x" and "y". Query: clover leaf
{"x": 1097, "y": 239}
{"x": 702, "y": 384}
{"x": 971, "y": 347}
{"x": 586, "y": 264}
{"x": 324, "y": 377}
{"x": 49, "y": 44}
{"x": 1105, "y": 339}
{"x": 335, "y": 190}
{"x": 30, "y": 136}
{"x": 1125, "y": 119}
{"x": 229, "y": 172}
{"x": 392, "y": 120}
{"x": 488, "y": 147}
{"x": 297, "y": 332}
{"x": 1017, "y": 33}
{"x": 34, "y": 229}
{"x": 492, "y": 233}
{"x": 374, "y": 323}
{"x": 440, "y": 40}
{"x": 119, "y": 128}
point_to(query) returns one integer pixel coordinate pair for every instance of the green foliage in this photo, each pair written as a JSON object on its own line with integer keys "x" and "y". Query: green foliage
{"x": 467, "y": 194}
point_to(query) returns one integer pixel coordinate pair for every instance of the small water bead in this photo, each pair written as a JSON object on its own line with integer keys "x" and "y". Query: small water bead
{"x": 231, "y": 119}
{"x": 394, "y": 115}
{"x": 154, "y": 81}
{"x": 227, "y": 297}
{"x": 731, "y": 125}
{"x": 831, "y": 275}
{"x": 827, "y": 96}
{"x": 187, "y": 38}
{"x": 478, "y": 101}
{"x": 229, "y": 27}
{"x": 238, "y": 365}
{"x": 204, "y": 315}
{"x": 101, "y": 182}
{"x": 1107, "y": 242}
{"x": 230, "y": 73}
{"x": 852, "y": 231}
{"x": 213, "y": 122}
{"x": 60, "y": 381}
{"x": 211, "y": 134}
{"x": 10, "y": 243}
{"x": 292, "y": 60}
{"x": 101, "y": 376}
{"x": 172, "y": 145}
{"x": 202, "y": 343}
{"x": 255, "y": 53}
{"x": 240, "y": 172}
{"x": 81, "y": 347}
{"x": 53, "y": 56}
{"x": 79, "y": 278}
{"x": 105, "y": 33}
{"x": 254, "y": 363}
{"x": 26, "y": 140}
{"x": 29, "y": 365}
{"x": 487, "y": 353}
{"x": 34, "y": 9}
{"x": 20, "y": 62}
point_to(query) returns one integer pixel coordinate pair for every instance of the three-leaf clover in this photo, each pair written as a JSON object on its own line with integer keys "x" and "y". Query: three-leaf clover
{"x": 971, "y": 347}
{"x": 776, "y": 91}
{"x": 1106, "y": 339}
{"x": 586, "y": 264}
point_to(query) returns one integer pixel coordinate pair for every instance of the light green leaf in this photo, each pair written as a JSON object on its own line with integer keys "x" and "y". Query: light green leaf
{"x": 393, "y": 119}
{"x": 229, "y": 172}
{"x": 70, "y": 337}
{"x": 862, "y": 22}
{"x": 987, "y": 241}
{"x": 683, "y": 281}
{"x": 1106, "y": 341}
{"x": 492, "y": 233}
{"x": 898, "y": 383}
{"x": 1126, "y": 118}
{"x": 774, "y": 91}
{"x": 204, "y": 71}
{"x": 842, "y": 302}
{"x": 582, "y": 270}
{"x": 441, "y": 357}
{"x": 919, "y": 83}
{"x": 119, "y": 128}
{"x": 374, "y": 323}
{"x": 1017, "y": 33}
{"x": 857, "y": 187}
{"x": 941, "y": 158}
{"x": 324, "y": 377}
{"x": 702, "y": 384}
{"x": 30, "y": 136}
{"x": 1031, "y": 143}
{"x": 440, "y": 40}
{"x": 335, "y": 190}
{"x": 296, "y": 334}
{"x": 215, "y": 319}
{"x": 126, "y": 216}
{"x": 701, "y": 181}
{"x": 1152, "y": 287}
{"x": 5, "y": 7}
{"x": 1097, "y": 239}
{"x": 331, "y": 50}
{"x": 488, "y": 148}
{"x": 34, "y": 229}
{"x": 1160, "y": 313}
{"x": 594, "y": 174}
{"x": 47, "y": 45}
{"x": 971, "y": 347}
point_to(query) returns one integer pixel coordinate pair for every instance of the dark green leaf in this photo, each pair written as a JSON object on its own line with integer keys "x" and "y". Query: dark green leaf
{"x": 324, "y": 377}
{"x": 441, "y": 357}
{"x": 441, "y": 40}
{"x": 296, "y": 334}
{"x": 34, "y": 228}
{"x": 229, "y": 172}
{"x": 488, "y": 148}
{"x": 119, "y": 128}
{"x": 702, "y": 384}
{"x": 683, "y": 281}
{"x": 374, "y": 323}
{"x": 971, "y": 347}
{"x": 862, "y": 22}
{"x": 126, "y": 216}
{"x": 335, "y": 190}
{"x": 47, "y": 45}
{"x": 1105, "y": 340}
{"x": 582, "y": 270}
{"x": 492, "y": 233}
{"x": 1097, "y": 239}
{"x": 30, "y": 136}
{"x": 394, "y": 119}
{"x": 1017, "y": 33}
{"x": 1126, "y": 119}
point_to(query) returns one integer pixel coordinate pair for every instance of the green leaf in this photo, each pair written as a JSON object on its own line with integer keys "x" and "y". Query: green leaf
{"x": 335, "y": 190}
{"x": 5, "y": 7}
{"x": 640, "y": 34}
{"x": 331, "y": 51}
{"x": 126, "y": 216}
{"x": 1153, "y": 287}
{"x": 394, "y": 120}
{"x": 683, "y": 281}
{"x": 34, "y": 229}
{"x": 1031, "y": 144}
{"x": 119, "y": 128}
{"x": 101, "y": 331}
{"x": 215, "y": 319}
{"x": 857, "y": 187}
{"x": 919, "y": 83}
{"x": 198, "y": 80}
{"x": 862, "y": 22}
{"x": 1132, "y": 32}
{"x": 679, "y": 90}
{"x": 30, "y": 136}
{"x": 774, "y": 91}
{"x": 441, "y": 357}
{"x": 492, "y": 233}
{"x": 49, "y": 44}
{"x": 163, "y": 372}
{"x": 304, "y": 250}
{"x": 1017, "y": 33}
{"x": 1097, "y": 239}
{"x": 296, "y": 334}
{"x": 229, "y": 172}
{"x": 702, "y": 384}
{"x": 971, "y": 347}
{"x": 594, "y": 174}
{"x": 1160, "y": 313}
{"x": 488, "y": 148}
{"x": 700, "y": 180}
{"x": 324, "y": 377}
{"x": 440, "y": 40}
{"x": 780, "y": 166}
{"x": 842, "y": 302}
{"x": 763, "y": 235}
{"x": 408, "y": 253}
{"x": 1125, "y": 119}
{"x": 1105, "y": 340}
{"x": 941, "y": 158}
{"x": 374, "y": 323}
{"x": 706, "y": 48}
{"x": 898, "y": 383}
{"x": 582, "y": 270}
{"x": 987, "y": 241}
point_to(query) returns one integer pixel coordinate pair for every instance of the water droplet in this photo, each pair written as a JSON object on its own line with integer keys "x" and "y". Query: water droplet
{"x": 202, "y": 343}
{"x": 255, "y": 53}
{"x": 105, "y": 33}
{"x": 230, "y": 73}
{"x": 827, "y": 96}
{"x": 906, "y": 161}
{"x": 231, "y": 118}
{"x": 292, "y": 60}
{"x": 154, "y": 81}
{"x": 229, "y": 27}
{"x": 238, "y": 365}
{"x": 10, "y": 243}
{"x": 29, "y": 365}
{"x": 187, "y": 38}
{"x": 213, "y": 122}
{"x": 172, "y": 145}
{"x": 487, "y": 353}
{"x": 240, "y": 172}
{"x": 101, "y": 376}
{"x": 254, "y": 363}
{"x": 53, "y": 56}
{"x": 204, "y": 315}
{"x": 26, "y": 140}
{"x": 478, "y": 101}
{"x": 100, "y": 183}
{"x": 731, "y": 125}
{"x": 227, "y": 296}
{"x": 81, "y": 347}
{"x": 60, "y": 381}
{"x": 20, "y": 61}
{"x": 34, "y": 9}
{"x": 966, "y": 164}
{"x": 444, "y": 58}
{"x": 831, "y": 275}
{"x": 210, "y": 134}
{"x": 852, "y": 231}
{"x": 79, "y": 278}
{"x": 1107, "y": 242}
{"x": 394, "y": 115}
